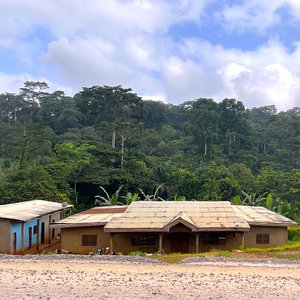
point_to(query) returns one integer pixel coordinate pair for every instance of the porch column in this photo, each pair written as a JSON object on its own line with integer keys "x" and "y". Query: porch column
{"x": 197, "y": 242}
{"x": 111, "y": 243}
{"x": 243, "y": 240}
{"x": 160, "y": 243}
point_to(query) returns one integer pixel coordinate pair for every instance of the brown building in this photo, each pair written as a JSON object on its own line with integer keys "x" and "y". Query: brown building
{"x": 25, "y": 226}
{"x": 83, "y": 232}
{"x": 170, "y": 227}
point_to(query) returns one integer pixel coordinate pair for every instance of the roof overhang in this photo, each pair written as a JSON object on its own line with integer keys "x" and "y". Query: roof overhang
{"x": 76, "y": 225}
{"x": 162, "y": 230}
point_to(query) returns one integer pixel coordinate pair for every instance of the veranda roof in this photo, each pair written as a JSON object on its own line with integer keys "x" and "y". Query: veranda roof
{"x": 96, "y": 216}
{"x": 161, "y": 216}
{"x": 28, "y": 210}
{"x": 261, "y": 216}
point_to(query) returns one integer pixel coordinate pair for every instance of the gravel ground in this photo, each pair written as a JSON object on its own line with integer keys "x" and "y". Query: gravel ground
{"x": 123, "y": 277}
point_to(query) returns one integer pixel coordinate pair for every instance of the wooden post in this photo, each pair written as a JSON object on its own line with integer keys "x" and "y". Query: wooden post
{"x": 197, "y": 242}
{"x": 22, "y": 238}
{"x": 243, "y": 240}
{"x": 111, "y": 243}
{"x": 160, "y": 243}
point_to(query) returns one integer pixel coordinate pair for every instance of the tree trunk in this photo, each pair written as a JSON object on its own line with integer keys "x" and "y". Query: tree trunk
{"x": 75, "y": 191}
{"x": 113, "y": 139}
{"x": 205, "y": 146}
{"x": 123, "y": 139}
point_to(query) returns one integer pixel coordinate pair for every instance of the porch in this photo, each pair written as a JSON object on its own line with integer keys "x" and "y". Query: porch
{"x": 175, "y": 242}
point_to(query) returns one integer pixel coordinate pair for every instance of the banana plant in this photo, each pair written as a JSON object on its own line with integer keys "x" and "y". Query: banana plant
{"x": 108, "y": 200}
{"x": 153, "y": 197}
{"x": 253, "y": 199}
{"x": 129, "y": 198}
{"x": 179, "y": 198}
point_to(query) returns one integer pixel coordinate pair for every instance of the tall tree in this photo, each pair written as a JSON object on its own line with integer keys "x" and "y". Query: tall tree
{"x": 204, "y": 120}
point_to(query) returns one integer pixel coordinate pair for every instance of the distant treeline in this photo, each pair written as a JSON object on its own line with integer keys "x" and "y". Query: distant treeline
{"x": 63, "y": 148}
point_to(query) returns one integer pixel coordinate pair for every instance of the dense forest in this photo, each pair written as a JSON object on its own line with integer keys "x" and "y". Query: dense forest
{"x": 107, "y": 144}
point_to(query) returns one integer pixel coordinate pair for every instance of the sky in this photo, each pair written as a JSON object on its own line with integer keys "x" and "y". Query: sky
{"x": 168, "y": 50}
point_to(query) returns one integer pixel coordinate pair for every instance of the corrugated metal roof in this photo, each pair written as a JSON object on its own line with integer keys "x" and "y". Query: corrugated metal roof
{"x": 28, "y": 210}
{"x": 105, "y": 210}
{"x": 157, "y": 215}
{"x": 257, "y": 215}
{"x": 92, "y": 217}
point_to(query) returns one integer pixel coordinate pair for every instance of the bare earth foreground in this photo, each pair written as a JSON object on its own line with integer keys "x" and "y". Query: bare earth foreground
{"x": 112, "y": 277}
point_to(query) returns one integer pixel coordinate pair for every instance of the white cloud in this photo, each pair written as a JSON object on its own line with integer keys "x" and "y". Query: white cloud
{"x": 13, "y": 82}
{"x": 258, "y": 14}
{"x": 126, "y": 42}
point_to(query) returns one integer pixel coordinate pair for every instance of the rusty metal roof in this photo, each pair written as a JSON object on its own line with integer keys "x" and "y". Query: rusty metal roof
{"x": 96, "y": 216}
{"x": 28, "y": 210}
{"x": 105, "y": 210}
{"x": 161, "y": 216}
{"x": 261, "y": 216}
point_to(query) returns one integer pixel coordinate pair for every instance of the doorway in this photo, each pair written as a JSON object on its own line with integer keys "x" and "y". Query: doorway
{"x": 42, "y": 232}
{"x": 14, "y": 242}
{"x": 180, "y": 242}
{"x": 29, "y": 237}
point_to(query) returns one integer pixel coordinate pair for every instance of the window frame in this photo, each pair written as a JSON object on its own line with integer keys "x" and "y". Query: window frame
{"x": 262, "y": 238}
{"x": 215, "y": 238}
{"x": 143, "y": 240}
{"x": 88, "y": 240}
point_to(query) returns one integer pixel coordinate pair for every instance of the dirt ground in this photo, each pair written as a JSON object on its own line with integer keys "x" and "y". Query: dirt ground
{"x": 76, "y": 278}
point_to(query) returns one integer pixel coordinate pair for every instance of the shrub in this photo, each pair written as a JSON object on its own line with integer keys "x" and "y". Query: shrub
{"x": 288, "y": 246}
{"x": 138, "y": 253}
{"x": 294, "y": 233}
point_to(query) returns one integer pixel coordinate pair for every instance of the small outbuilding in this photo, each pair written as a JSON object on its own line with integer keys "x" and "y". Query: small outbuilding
{"x": 25, "y": 226}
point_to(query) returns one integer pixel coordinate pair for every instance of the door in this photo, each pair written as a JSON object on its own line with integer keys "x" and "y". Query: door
{"x": 180, "y": 242}
{"x": 14, "y": 242}
{"x": 29, "y": 237}
{"x": 42, "y": 232}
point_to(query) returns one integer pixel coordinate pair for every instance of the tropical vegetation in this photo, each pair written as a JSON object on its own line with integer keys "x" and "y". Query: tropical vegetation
{"x": 107, "y": 139}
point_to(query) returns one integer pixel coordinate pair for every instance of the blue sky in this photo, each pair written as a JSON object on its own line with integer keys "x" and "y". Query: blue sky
{"x": 172, "y": 51}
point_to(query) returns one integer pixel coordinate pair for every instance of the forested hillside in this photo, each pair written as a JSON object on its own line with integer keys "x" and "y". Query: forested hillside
{"x": 64, "y": 148}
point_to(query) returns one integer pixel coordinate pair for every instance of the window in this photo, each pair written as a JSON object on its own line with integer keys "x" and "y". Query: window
{"x": 214, "y": 238}
{"x": 35, "y": 229}
{"x": 89, "y": 240}
{"x": 262, "y": 238}
{"x": 143, "y": 240}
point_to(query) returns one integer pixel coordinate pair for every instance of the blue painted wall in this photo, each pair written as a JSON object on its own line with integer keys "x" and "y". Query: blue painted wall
{"x": 28, "y": 224}
{"x": 17, "y": 227}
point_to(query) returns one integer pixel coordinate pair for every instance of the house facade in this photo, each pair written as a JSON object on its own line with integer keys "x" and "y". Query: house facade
{"x": 25, "y": 226}
{"x": 83, "y": 233}
{"x": 173, "y": 227}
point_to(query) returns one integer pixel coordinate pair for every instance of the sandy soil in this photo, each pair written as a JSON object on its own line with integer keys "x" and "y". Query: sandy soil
{"x": 77, "y": 278}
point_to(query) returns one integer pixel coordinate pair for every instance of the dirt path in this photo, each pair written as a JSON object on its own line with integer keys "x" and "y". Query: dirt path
{"x": 88, "y": 279}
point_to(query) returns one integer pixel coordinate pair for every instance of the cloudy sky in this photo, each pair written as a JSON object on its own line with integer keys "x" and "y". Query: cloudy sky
{"x": 172, "y": 50}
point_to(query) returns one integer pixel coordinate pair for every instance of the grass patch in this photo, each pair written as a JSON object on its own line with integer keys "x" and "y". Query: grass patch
{"x": 283, "y": 252}
{"x": 289, "y": 246}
